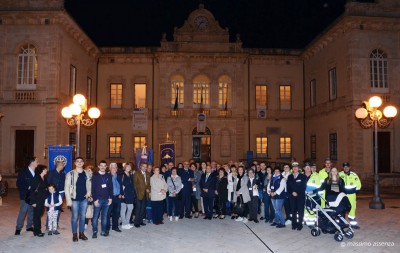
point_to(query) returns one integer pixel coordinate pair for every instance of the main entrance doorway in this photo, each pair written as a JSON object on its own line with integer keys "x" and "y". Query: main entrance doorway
{"x": 201, "y": 145}
{"x": 24, "y": 147}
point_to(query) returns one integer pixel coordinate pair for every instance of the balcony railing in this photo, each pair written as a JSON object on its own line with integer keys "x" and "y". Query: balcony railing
{"x": 225, "y": 113}
{"x": 25, "y": 95}
{"x": 176, "y": 113}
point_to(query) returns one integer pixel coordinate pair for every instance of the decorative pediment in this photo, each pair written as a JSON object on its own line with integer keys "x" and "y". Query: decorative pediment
{"x": 201, "y": 26}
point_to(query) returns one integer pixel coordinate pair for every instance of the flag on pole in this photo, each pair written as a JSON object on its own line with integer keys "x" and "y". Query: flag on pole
{"x": 176, "y": 97}
{"x": 201, "y": 99}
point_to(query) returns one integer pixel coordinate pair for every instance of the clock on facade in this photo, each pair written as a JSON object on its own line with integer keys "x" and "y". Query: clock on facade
{"x": 201, "y": 23}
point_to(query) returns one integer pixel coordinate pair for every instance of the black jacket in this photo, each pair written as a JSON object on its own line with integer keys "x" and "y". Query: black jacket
{"x": 24, "y": 181}
{"x": 297, "y": 185}
{"x": 38, "y": 191}
{"x": 222, "y": 188}
{"x": 209, "y": 184}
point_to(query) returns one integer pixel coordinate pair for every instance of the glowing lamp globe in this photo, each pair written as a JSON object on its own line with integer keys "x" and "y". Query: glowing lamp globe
{"x": 75, "y": 109}
{"x": 66, "y": 113}
{"x": 79, "y": 99}
{"x": 375, "y": 101}
{"x": 94, "y": 113}
{"x": 390, "y": 111}
{"x": 361, "y": 113}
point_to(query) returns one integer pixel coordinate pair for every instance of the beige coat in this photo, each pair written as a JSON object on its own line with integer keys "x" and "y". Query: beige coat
{"x": 243, "y": 189}
{"x": 70, "y": 185}
{"x": 157, "y": 184}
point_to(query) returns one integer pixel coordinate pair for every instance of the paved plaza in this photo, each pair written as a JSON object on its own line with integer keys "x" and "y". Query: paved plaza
{"x": 378, "y": 228}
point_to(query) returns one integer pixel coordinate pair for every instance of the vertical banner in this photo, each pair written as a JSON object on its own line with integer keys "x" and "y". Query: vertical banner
{"x": 144, "y": 155}
{"x": 201, "y": 123}
{"x": 60, "y": 153}
{"x": 139, "y": 119}
{"x": 167, "y": 153}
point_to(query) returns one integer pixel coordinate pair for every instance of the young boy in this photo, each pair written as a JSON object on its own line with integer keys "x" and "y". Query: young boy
{"x": 53, "y": 203}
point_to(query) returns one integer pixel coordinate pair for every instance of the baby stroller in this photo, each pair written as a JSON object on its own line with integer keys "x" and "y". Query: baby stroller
{"x": 332, "y": 218}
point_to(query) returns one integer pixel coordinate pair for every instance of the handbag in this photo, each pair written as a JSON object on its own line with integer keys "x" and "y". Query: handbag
{"x": 89, "y": 212}
{"x": 239, "y": 208}
{"x": 179, "y": 195}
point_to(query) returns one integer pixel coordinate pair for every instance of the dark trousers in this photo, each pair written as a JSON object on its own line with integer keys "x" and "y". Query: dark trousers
{"x": 185, "y": 204}
{"x": 208, "y": 203}
{"x": 288, "y": 211}
{"x": 245, "y": 209}
{"x": 173, "y": 204}
{"x": 297, "y": 208}
{"x": 195, "y": 203}
{"x": 253, "y": 207}
{"x": 157, "y": 209}
{"x": 269, "y": 212}
{"x": 113, "y": 212}
{"x": 37, "y": 215}
{"x": 140, "y": 211}
{"x": 221, "y": 206}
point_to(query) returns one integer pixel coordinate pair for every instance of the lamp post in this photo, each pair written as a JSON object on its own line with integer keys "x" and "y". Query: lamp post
{"x": 369, "y": 115}
{"x": 76, "y": 114}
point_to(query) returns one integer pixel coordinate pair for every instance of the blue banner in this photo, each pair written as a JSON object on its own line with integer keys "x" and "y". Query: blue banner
{"x": 60, "y": 153}
{"x": 143, "y": 155}
{"x": 167, "y": 153}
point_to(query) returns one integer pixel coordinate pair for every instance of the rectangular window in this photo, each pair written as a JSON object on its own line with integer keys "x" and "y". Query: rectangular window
{"x": 333, "y": 153}
{"x": 177, "y": 94}
{"x": 140, "y": 95}
{"x": 313, "y": 147}
{"x": 138, "y": 142}
{"x": 332, "y": 84}
{"x": 116, "y": 95}
{"x": 261, "y": 96}
{"x": 72, "y": 80}
{"x": 88, "y": 146}
{"x": 224, "y": 95}
{"x": 89, "y": 91}
{"x": 313, "y": 93}
{"x": 72, "y": 138}
{"x": 201, "y": 95}
{"x": 285, "y": 147}
{"x": 262, "y": 146}
{"x": 285, "y": 97}
{"x": 115, "y": 143}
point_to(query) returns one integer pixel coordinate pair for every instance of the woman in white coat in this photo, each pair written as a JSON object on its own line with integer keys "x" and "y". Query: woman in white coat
{"x": 242, "y": 195}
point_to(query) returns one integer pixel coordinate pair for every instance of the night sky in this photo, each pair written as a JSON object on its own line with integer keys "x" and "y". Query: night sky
{"x": 261, "y": 23}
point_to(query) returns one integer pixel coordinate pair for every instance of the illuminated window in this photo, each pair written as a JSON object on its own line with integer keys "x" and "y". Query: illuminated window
{"x": 177, "y": 92}
{"x": 285, "y": 97}
{"x": 332, "y": 84}
{"x": 224, "y": 92}
{"x": 313, "y": 92}
{"x": 262, "y": 146}
{"x": 333, "y": 152}
{"x": 378, "y": 69}
{"x": 285, "y": 147}
{"x": 115, "y": 143}
{"x": 201, "y": 92}
{"x": 313, "y": 147}
{"x": 261, "y": 96}
{"x": 27, "y": 68}
{"x": 116, "y": 95}
{"x": 139, "y": 142}
{"x": 140, "y": 95}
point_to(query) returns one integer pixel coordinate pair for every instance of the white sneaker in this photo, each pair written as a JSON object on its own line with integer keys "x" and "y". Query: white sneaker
{"x": 85, "y": 226}
{"x": 239, "y": 219}
{"x": 124, "y": 227}
{"x": 170, "y": 218}
{"x": 288, "y": 222}
{"x": 244, "y": 220}
{"x": 176, "y": 218}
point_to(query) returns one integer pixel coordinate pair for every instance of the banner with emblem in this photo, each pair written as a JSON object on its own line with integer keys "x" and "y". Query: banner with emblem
{"x": 167, "y": 153}
{"x": 60, "y": 153}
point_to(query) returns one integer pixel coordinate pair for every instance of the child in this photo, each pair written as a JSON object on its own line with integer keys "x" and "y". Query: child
{"x": 53, "y": 203}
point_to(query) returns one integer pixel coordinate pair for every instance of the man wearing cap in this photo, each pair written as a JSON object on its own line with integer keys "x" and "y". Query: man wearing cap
{"x": 296, "y": 186}
{"x": 353, "y": 185}
{"x": 323, "y": 174}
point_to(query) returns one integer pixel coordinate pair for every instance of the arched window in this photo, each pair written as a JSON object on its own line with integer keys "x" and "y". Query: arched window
{"x": 177, "y": 92}
{"x": 224, "y": 92}
{"x": 378, "y": 69}
{"x": 201, "y": 92}
{"x": 27, "y": 68}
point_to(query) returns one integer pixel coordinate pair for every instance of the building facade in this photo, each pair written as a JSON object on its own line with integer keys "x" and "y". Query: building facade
{"x": 279, "y": 104}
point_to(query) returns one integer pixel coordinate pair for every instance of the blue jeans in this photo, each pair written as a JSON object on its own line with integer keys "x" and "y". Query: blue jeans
{"x": 173, "y": 204}
{"x": 269, "y": 212}
{"x": 278, "y": 204}
{"x": 103, "y": 208}
{"x": 78, "y": 208}
{"x": 23, "y": 208}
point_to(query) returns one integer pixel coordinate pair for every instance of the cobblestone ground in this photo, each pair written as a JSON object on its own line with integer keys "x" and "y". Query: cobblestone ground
{"x": 379, "y": 228}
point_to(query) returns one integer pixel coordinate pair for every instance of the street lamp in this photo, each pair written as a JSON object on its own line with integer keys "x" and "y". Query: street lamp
{"x": 369, "y": 115}
{"x": 76, "y": 114}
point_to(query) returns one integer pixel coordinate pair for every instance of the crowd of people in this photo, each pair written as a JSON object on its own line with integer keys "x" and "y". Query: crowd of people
{"x": 120, "y": 196}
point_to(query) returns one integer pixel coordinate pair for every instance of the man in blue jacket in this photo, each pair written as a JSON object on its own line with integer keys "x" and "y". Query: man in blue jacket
{"x": 207, "y": 186}
{"x": 24, "y": 181}
{"x": 187, "y": 177}
{"x": 296, "y": 187}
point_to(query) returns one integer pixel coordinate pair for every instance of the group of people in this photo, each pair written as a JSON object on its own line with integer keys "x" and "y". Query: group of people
{"x": 117, "y": 194}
